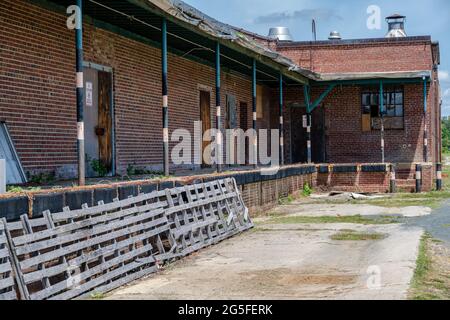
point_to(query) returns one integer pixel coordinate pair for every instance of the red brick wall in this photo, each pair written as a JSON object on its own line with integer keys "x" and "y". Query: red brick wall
{"x": 343, "y": 105}
{"x": 37, "y": 95}
{"x": 373, "y": 57}
{"x": 347, "y": 143}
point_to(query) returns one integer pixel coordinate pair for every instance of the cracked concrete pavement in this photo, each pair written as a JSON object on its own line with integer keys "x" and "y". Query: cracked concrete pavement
{"x": 291, "y": 261}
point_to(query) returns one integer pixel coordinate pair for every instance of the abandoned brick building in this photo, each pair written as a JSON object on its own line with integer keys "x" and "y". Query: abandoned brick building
{"x": 370, "y": 100}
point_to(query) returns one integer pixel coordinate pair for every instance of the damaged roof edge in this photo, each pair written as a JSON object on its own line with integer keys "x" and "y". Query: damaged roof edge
{"x": 181, "y": 13}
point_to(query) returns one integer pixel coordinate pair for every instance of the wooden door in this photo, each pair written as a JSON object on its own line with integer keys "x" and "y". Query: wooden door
{"x": 205, "y": 117}
{"x": 104, "y": 129}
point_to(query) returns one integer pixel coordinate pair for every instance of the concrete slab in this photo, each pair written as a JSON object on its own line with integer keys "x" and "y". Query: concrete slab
{"x": 290, "y": 262}
{"x": 330, "y": 209}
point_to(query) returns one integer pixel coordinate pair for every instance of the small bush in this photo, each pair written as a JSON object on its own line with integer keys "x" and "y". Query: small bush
{"x": 307, "y": 190}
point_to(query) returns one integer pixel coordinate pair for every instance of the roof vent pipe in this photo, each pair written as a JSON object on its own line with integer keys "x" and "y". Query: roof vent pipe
{"x": 280, "y": 34}
{"x": 334, "y": 35}
{"x": 396, "y": 23}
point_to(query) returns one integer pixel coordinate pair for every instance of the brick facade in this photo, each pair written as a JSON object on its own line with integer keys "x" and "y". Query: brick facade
{"x": 37, "y": 97}
{"x": 37, "y": 94}
{"x": 344, "y": 138}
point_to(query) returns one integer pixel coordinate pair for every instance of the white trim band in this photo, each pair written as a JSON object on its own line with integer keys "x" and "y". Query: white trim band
{"x": 218, "y": 111}
{"x": 165, "y": 101}
{"x": 165, "y": 134}
{"x": 80, "y": 80}
{"x": 80, "y": 131}
{"x": 418, "y": 175}
{"x": 254, "y": 116}
{"x": 281, "y": 120}
{"x": 439, "y": 175}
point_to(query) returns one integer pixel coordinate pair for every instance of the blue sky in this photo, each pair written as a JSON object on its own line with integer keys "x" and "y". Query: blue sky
{"x": 349, "y": 17}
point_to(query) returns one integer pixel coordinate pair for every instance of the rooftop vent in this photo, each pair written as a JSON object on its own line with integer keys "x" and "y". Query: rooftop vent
{"x": 334, "y": 35}
{"x": 280, "y": 33}
{"x": 396, "y": 24}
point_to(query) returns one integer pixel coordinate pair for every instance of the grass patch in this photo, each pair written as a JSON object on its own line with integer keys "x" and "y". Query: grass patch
{"x": 358, "y": 219}
{"x": 97, "y": 296}
{"x": 428, "y": 283}
{"x": 350, "y": 235}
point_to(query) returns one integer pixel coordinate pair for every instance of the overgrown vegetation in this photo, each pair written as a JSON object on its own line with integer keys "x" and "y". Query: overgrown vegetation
{"x": 431, "y": 281}
{"x": 17, "y": 189}
{"x": 97, "y": 296}
{"x": 446, "y": 135}
{"x": 307, "y": 190}
{"x": 358, "y": 219}
{"x": 41, "y": 178}
{"x": 133, "y": 171}
{"x": 99, "y": 168}
{"x": 351, "y": 235}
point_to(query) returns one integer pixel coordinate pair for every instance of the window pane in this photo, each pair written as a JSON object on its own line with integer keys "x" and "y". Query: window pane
{"x": 366, "y": 99}
{"x": 399, "y": 111}
{"x": 391, "y": 111}
{"x": 374, "y": 99}
{"x": 399, "y": 98}
{"x": 366, "y": 109}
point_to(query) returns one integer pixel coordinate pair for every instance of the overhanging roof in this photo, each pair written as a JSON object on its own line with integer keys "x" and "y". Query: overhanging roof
{"x": 190, "y": 34}
{"x": 371, "y": 76}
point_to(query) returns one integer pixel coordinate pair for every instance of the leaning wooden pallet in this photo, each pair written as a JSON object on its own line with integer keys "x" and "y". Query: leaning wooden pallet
{"x": 74, "y": 253}
{"x": 7, "y": 286}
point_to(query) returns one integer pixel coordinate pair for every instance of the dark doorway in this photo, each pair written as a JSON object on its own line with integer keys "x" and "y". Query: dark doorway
{"x": 205, "y": 117}
{"x": 243, "y": 124}
{"x": 318, "y": 135}
{"x": 98, "y": 116}
{"x": 299, "y": 136}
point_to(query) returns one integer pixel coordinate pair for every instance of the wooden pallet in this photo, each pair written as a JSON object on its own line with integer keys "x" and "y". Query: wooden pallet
{"x": 74, "y": 253}
{"x": 71, "y": 254}
{"x": 7, "y": 285}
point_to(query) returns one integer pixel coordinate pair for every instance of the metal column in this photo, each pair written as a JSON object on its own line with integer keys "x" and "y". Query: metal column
{"x": 425, "y": 130}
{"x": 308, "y": 123}
{"x": 281, "y": 122}
{"x": 165, "y": 106}
{"x": 219, "y": 113}
{"x": 80, "y": 95}
{"x": 382, "y": 122}
{"x": 255, "y": 138}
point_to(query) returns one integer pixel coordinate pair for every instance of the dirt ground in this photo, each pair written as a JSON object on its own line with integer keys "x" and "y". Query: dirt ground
{"x": 279, "y": 260}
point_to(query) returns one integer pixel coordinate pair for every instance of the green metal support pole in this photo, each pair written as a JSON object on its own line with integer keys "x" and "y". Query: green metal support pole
{"x": 165, "y": 97}
{"x": 308, "y": 124}
{"x": 219, "y": 138}
{"x": 382, "y": 122}
{"x": 281, "y": 122}
{"x": 425, "y": 128}
{"x": 80, "y": 97}
{"x": 254, "y": 115}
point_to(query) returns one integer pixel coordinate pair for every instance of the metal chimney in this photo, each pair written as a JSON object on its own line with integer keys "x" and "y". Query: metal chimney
{"x": 334, "y": 35}
{"x": 396, "y": 24}
{"x": 280, "y": 33}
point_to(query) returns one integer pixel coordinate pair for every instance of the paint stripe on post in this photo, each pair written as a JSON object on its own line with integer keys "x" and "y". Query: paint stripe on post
{"x": 438, "y": 176}
{"x": 418, "y": 178}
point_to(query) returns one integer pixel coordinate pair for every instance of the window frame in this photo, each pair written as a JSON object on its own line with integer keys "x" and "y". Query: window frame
{"x": 374, "y": 94}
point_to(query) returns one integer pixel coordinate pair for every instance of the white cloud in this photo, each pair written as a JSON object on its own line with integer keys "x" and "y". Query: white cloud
{"x": 444, "y": 75}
